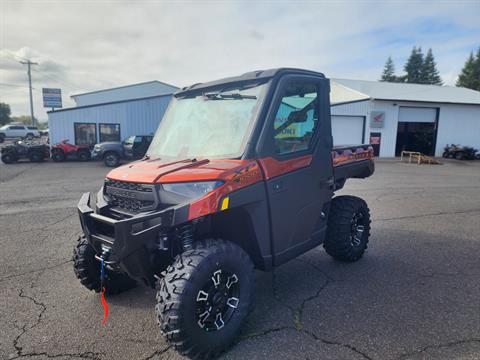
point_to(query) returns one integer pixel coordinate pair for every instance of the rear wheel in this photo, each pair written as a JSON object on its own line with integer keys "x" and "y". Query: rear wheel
{"x": 204, "y": 298}
{"x": 58, "y": 156}
{"x": 84, "y": 155}
{"x": 111, "y": 159}
{"x": 29, "y": 136}
{"x": 87, "y": 270}
{"x": 35, "y": 156}
{"x": 348, "y": 228}
{"x": 8, "y": 158}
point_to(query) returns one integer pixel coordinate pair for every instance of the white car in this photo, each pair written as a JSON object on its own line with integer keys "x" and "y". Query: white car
{"x": 14, "y": 130}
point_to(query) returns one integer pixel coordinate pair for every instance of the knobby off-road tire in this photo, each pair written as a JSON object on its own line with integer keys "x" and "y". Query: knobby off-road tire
{"x": 84, "y": 155}
{"x": 348, "y": 228}
{"x": 180, "y": 313}
{"x": 35, "y": 156}
{"x": 8, "y": 158}
{"x": 87, "y": 270}
{"x": 58, "y": 156}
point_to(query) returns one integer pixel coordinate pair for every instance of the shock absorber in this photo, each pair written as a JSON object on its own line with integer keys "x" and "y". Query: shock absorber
{"x": 186, "y": 236}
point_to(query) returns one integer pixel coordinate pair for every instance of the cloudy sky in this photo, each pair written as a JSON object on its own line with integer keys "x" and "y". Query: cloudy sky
{"x": 90, "y": 45}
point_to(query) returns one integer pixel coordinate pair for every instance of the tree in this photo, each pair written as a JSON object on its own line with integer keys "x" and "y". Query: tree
{"x": 470, "y": 74}
{"x": 4, "y": 113}
{"x": 414, "y": 67}
{"x": 430, "y": 74}
{"x": 388, "y": 73}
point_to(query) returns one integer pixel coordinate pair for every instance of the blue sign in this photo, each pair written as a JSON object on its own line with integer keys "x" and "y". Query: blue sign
{"x": 52, "y": 98}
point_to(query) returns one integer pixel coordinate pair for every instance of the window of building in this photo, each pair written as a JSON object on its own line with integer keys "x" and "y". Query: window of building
{"x": 296, "y": 118}
{"x": 85, "y": 133}
{"x": 109, "y": 132}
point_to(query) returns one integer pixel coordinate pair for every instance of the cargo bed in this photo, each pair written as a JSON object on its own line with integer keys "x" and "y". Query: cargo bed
{"x": 353, "y": 161}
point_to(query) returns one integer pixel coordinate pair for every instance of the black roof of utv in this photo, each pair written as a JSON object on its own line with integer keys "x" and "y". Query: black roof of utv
{"x": 247, "y": 77}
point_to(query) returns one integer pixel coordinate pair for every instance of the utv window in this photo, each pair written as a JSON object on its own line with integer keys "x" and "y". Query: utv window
{"x": 215, "y": 124}
{"x": 109, "y": 132}
{"x": 296, "y": 118}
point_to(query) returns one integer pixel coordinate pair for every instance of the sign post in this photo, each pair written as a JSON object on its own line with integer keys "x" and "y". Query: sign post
{"x": 52, "y": 98}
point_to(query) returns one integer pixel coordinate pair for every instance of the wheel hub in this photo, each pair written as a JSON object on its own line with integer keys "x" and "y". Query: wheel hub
{"x": 357, "y": 229}
{"x": 217, "y": 300}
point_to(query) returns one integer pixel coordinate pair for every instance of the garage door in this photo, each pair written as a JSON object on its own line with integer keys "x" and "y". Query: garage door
{"x": 417, "y": 114}
{"x": 347, "y": 130}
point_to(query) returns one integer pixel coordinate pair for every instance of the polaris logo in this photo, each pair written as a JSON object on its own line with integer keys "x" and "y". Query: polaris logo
{"x": 122, "y": 193}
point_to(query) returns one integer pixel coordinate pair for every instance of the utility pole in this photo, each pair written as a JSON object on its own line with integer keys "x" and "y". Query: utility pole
{"x": 29, "y": 72}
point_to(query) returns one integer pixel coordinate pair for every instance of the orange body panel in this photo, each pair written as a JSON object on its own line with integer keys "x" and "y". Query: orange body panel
{"x": 235, "y": 174}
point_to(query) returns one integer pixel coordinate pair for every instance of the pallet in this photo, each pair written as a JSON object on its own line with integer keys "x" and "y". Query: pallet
{"x": 419, "y": 158}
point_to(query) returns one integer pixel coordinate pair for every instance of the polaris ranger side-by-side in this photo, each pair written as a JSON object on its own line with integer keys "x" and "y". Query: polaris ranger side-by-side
{"x": 239, "y": 176}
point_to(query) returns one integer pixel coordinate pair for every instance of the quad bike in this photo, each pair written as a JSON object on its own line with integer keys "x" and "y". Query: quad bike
{"x": 24, "y": 149}
{"x": 459, "y": 152}
{"x": 249, "y": 186}
{"x": 64, "y": 150}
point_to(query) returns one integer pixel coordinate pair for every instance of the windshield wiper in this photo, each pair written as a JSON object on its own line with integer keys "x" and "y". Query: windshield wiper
{"x": 222, "y": 96}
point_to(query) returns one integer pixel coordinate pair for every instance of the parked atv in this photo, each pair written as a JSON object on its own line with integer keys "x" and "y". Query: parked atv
{"x": 64, "y": 150}
{"x": 248, "y": 185}
{"x": 459, "y": 152}
{"x": 24, "y": 150}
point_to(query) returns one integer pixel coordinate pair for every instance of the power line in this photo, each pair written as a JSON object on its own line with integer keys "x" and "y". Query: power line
{"x": 29, "y": 72}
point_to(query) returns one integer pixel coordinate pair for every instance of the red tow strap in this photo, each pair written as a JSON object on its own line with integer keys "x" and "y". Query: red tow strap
{"x": 105, "y": 307}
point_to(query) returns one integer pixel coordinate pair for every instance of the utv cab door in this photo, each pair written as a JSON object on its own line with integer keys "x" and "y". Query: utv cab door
{"x": 295, "y": 152}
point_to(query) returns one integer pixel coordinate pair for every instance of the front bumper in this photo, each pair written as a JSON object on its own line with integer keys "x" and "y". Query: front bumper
{"x": 96, "y": 155}
{"x": 126, "y": 242}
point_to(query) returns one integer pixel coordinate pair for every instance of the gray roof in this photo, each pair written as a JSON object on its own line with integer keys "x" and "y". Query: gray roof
{"x": 412, "y": 92}
{"x": 174, "y": 88}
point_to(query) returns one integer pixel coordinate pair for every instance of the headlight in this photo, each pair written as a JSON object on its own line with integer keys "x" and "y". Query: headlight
{"x": 192, "y": 189}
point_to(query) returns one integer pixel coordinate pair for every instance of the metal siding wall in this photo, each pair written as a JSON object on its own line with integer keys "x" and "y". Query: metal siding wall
{"x": 389, "y": 131}
{"x": 135, "y": 118}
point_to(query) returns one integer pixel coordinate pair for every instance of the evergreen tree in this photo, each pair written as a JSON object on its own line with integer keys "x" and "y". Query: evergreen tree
{"x": 470, "y": 75}
{"x": 430, "y": 74}
{"x": 414, "y": 67}
{"x": 4, "y": 113}
{"x": 388, "y": 73}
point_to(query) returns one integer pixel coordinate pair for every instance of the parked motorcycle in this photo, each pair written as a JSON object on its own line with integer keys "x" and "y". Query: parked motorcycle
{"x": 458, "y": 152}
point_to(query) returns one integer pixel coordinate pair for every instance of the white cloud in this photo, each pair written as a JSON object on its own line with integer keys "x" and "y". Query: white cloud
{"x": 88, "y": 45}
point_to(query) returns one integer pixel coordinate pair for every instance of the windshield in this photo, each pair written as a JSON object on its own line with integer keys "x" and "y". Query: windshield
{"x": 216, "y": 124}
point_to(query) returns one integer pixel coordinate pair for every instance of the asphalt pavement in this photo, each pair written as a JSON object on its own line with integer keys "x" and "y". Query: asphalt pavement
{"x": 415, "y": 294}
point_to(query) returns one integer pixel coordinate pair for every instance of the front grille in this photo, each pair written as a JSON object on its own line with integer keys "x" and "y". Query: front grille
{"x": 131, "y": 197}
{"x": 128, "y": 186}
{"x": 131, "y": 205}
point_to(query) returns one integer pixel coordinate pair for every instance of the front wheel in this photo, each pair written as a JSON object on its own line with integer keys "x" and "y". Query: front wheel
{"x": 87, "y": 270}
{"x": 204, "y": 298}
{"x": 30, "y": 136}
{"x": 348, "y": 228}
{"x": 460, "y": 155}
{"x": 8, "y": 158}
{"x": 111, "y": 159}
{"x": 58, "y": 156}
{"x": 83, "y": 155}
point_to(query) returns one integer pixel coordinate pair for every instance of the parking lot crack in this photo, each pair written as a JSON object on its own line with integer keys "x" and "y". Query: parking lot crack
{"x": 11, "y": 276}
{"x": 438, "y": 346}
{"x": 158, "y": 352}
{"x": 336, "y": 343}
{"x": 427, "y": 215}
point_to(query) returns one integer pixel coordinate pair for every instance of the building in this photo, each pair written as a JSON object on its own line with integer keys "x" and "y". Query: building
{"x": 391, "y": 116}
{"x": 111, "y": 114}
{"x": 396, "y": 117}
